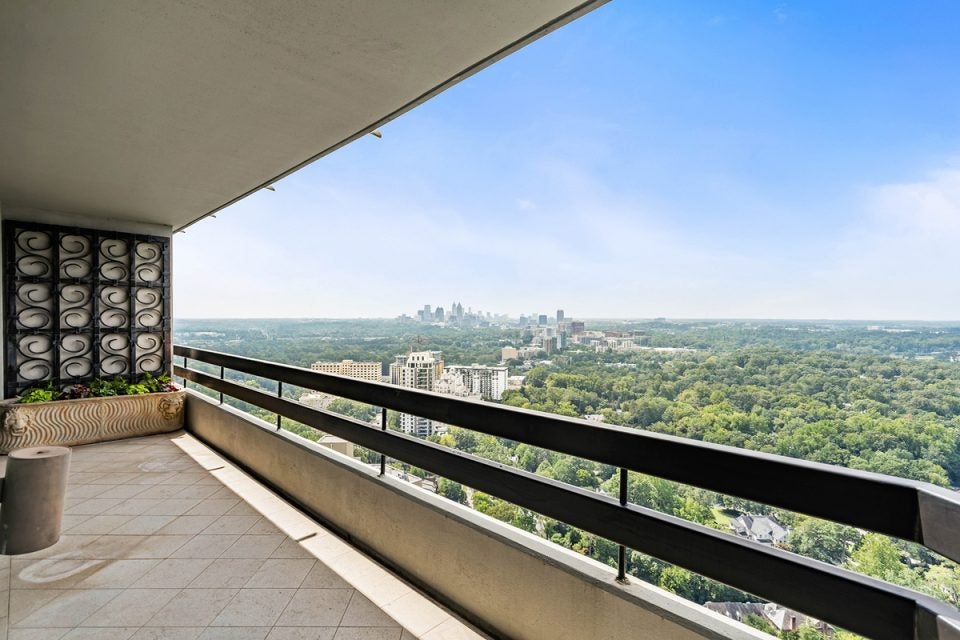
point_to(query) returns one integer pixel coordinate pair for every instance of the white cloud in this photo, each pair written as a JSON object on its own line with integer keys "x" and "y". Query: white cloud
{"x": 929, "y": 207}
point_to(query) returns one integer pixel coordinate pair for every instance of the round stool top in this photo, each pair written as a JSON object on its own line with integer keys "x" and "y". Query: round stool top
{"x": 33, "y": 453}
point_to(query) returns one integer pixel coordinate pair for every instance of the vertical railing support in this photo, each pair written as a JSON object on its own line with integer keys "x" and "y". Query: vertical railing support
{"x": 622, "y": 550}
{"x": 221, "y": 377}
{"x": 185, "y": 381}
{"x": 383, "y": 427}
{"x": 279, "y": 395}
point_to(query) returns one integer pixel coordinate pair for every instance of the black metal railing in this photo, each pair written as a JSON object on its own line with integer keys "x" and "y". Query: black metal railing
{"x": 907, "y": 509}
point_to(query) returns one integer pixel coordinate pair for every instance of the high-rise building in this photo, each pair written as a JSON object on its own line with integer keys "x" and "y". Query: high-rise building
{"x": 542, "y": 320}
{"x": 487, "y": 382}
{"x": 549, "y": 345}
{"x": 417, "y": 370}
{"x": 576, "y": 328}
{"x": 361, "y": 370}
{"x": 438, "y": 314}
{"x": 559, "y": 316}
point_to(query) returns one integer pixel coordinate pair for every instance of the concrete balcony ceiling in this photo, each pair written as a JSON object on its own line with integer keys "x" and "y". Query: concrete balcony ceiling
{"x": 165, "y": 112}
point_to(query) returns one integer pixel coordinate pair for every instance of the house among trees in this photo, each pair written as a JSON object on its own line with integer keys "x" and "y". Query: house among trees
{"x": 781, "y": 618}
{"x": 759, "y": 529}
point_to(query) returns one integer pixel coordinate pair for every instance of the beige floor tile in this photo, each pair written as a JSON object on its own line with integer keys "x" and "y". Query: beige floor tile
{"x": 188, "y": 524}
{"x": 200, "y": 491}
{"x": 242, "y": 509}
{"x": 254, "y": 607}
{"x": 103, "y": 633}
{"x": 214, "y": 507}
{"x": 172, "y": 507}
{"x": 205, "y": 547}
{"x": 69, "y": 607}
{"x": 117, "y": 574}
{"x": 227, "y": 573}
{"x": 363, "y": 613}
{"x": 290, "y": 548}
{"x": 323, "y": 577}
{"x": 36, "y": 634}
{"x": 124, "y": 491}
{"x": 281, "y": 574}
{"x": 132, "y": 608}
{"x": 232, "y": 524}
{"x": 100, "y": 524}
{"x": 255, "y": 546}
{"x": 93, "y": 506}
{"x": 85, "y": 490}
{"x": 223, "y": 493}
{"x": 143, "y": 525}
{"x": 160, "y": 491}
{"x": 368, "y": 633}
{"x": 172, "y": 573}
{"x": 132, "y": 507}
{"x": 70, "y": 521}
{"x": 316, "y": 608}
{"x": 167, "y": 633}
{"x": 25, "y": 602}
{"x": 234, "y": 633}
{"x": 158, "y": 546}
{"x": 302, "y": 633}
{"x": 189, "y": 477}
{"x": 263, "y": 527}
{"x": 193, "y": 608}
{"x": 112, "y": 547}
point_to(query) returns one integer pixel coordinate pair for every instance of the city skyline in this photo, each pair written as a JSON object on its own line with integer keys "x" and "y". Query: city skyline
{"x": 641, "y": 162}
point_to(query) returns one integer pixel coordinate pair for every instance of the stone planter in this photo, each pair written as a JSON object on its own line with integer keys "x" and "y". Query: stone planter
{"x": 73, "y": 422}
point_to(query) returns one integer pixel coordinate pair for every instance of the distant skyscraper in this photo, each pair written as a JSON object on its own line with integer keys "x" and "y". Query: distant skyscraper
{"x": 417, "y": 370}
{"x": 542, "y": 320}
{"x": 576, "y": 328}
{"x": 438, "y": 314}
{"x": 559, "y": 316}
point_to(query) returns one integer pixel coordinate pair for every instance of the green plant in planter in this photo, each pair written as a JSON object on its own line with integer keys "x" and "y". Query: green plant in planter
{"x": 101, "y": 388}
{"x": 41, "y": 394}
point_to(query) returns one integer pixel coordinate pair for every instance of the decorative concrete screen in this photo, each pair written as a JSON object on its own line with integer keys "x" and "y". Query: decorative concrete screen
{"x": 83, "y": 303}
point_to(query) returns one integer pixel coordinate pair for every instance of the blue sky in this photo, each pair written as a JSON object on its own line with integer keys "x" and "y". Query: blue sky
{"x": 694, "y": 159}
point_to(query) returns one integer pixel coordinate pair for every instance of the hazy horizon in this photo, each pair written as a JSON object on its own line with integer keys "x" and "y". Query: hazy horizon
{"x": 643, "y": 161}
{"x": 595, "y": 319}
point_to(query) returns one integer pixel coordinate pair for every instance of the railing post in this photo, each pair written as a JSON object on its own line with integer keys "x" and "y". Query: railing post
{"x": 622, "y": 550}
{"x": 185, "y": 381}
{"x": 279, "y": 395}
{"x": 221, "y": 377}
{"x": 383, "y": 427}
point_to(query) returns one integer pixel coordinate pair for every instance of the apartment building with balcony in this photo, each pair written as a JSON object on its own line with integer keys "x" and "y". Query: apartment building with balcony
{"x": 124, "y": 123}
{"x": 371, "y": 371}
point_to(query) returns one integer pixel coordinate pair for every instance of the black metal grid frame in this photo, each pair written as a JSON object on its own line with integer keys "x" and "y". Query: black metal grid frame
{"x": 108, "y": 338}
{"x": 914, "y": 510}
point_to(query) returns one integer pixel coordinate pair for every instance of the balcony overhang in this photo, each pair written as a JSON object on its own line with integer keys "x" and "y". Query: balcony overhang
{"x": 166, "y": 112}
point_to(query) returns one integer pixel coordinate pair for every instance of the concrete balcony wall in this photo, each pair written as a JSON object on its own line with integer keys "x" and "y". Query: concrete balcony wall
{"x": 506, "y": 581}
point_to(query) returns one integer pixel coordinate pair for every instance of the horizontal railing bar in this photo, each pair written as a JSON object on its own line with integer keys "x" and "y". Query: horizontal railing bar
{"x": 855, "y": 602}
{"x": 907, "y": 509}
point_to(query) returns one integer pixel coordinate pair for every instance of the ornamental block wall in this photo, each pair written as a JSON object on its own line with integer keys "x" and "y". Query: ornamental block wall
{"x": 83, "y": 303}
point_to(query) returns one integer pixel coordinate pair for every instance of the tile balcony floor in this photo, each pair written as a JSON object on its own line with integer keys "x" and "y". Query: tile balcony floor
{"x": 164, "y": 539}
